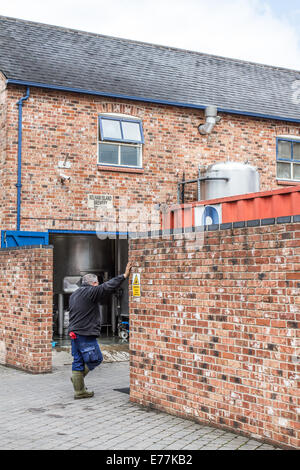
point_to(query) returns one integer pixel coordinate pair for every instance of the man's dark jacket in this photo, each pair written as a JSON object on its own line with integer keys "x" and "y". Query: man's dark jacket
{"x": 84, "y": 315}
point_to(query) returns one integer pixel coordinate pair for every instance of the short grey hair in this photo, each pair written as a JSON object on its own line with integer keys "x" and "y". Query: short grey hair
{"x": 89, "y": 279}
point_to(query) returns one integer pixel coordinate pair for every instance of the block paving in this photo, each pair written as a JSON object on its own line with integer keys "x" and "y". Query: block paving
{"x": 38, "y": 412}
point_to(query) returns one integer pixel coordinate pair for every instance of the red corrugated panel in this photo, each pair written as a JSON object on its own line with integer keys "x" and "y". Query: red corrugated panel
{"x": 184, "y": 216}
{"x": 261, "y": 205}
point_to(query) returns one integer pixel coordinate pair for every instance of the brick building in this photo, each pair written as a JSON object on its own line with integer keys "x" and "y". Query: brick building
{"x": 72, "y": 81}
{"x": 90, "y": 122}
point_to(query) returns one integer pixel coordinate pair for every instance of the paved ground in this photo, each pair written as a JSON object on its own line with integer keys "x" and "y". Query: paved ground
{"x": 111, "y": 353}
{"x": 39, "y": 412}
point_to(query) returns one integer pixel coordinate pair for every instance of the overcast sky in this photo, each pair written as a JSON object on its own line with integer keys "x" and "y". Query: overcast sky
{"x": 264, "y": 31}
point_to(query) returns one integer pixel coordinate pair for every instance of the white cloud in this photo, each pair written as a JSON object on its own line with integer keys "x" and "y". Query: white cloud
{"x": 243, "y": 29}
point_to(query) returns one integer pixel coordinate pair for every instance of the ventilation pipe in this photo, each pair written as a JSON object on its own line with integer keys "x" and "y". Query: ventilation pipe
{"x": 211, "y": 119}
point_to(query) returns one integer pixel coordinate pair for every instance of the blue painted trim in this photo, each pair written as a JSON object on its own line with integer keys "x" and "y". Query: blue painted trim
{"x": 258, "y": 115}
{"x": 120, "y": 120}
{"x": 11, "y": 238}
{"x": 147, "y": 100}
{"x": 19, "y": 236}
{"x": 19, "y": 183}
{"x": 292, "y": 141}
{"x": 85, "y": 232}
{"x": 3, "y": 244}
{"x": 102, "y": 133}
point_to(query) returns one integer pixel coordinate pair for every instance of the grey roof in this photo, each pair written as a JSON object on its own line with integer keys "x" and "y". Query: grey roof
{"x": 61, "y": 57}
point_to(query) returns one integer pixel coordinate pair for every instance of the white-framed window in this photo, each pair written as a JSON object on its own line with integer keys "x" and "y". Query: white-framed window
{"x": 288, "y": 158}
{"x": 120, "y": 141}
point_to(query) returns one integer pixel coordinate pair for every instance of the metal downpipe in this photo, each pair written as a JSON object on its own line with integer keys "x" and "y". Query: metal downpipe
{"x": 19, "y": 181}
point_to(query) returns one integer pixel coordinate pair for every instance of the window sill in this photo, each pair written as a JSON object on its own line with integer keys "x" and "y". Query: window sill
{"x": 120, "y": 169}
{"x": 288, "y": 183}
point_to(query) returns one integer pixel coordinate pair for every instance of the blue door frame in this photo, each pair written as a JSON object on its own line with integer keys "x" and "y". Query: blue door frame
{"x": 15, "y": 238}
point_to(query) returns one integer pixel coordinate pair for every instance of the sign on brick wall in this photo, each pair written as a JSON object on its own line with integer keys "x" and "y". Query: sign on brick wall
{"x": 136, "y": 285}
{"x": 100, "y": 200}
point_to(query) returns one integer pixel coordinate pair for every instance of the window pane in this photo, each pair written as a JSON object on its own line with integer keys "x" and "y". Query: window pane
{"x": 284, "y": 149}
{"x": 108, "y": 154}
{"x": 296, "y": 172}
{"x": 132, "y": 131}
{"x": 296, "y": 150}
{"x": 130, "y": 155}
{"x": 111, "y": 129}
{"x": 284, "y": 170}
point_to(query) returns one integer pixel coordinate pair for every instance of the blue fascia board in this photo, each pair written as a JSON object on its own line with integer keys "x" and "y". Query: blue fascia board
{"x": 88, "y": 232}
{"x": 148, "y": 100}
{"x": 258, "y": 115}
{"x": 85, "y": 232}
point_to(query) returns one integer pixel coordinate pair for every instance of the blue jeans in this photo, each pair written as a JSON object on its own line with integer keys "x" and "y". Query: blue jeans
{"x": 85, "y": 350}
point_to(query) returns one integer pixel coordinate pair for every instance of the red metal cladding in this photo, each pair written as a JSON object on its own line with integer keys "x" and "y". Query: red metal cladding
{"x": 178, "y": 217}
{"x": 261, "y": 205}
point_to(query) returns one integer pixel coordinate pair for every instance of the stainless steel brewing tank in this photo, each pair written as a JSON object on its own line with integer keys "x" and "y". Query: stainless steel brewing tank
{"x": 75, "y": 255}
{"x": 239, "y": 178}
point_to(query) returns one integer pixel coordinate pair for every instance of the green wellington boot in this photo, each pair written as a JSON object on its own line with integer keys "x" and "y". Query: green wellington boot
{"x": 78, "y": 384}
{"x": 86, "y": 370}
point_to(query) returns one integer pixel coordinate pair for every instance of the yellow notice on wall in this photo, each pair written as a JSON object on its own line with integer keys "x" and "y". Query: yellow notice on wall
{"x": 136, "y": 285}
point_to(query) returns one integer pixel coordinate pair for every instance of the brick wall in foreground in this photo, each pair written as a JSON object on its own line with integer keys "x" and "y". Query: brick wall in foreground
{"x": 215, "y": 334}
{"x": 26, "y": 308}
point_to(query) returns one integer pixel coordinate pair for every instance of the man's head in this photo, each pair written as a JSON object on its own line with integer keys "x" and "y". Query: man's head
{"x": 90, "y": 280}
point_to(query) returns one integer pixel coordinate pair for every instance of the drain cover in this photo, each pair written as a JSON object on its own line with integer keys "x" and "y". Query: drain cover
{"x": 122, "y": 390}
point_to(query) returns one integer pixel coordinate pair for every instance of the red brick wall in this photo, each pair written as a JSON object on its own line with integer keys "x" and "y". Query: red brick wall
{"x": 60, "y": 124}
{"x": 215, "y": 334}
{"x": 26, "y": 308}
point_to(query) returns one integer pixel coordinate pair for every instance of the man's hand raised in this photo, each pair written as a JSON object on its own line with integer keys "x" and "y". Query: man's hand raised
{"x": 128, "y": 269}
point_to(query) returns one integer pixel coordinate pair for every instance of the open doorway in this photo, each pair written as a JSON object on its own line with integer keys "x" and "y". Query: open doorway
{"x": 76, "y": 254}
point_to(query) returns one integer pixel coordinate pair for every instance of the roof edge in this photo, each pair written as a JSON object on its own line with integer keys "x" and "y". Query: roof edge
{"x": 148, "y": 100}
{"x": 160, "y": 46}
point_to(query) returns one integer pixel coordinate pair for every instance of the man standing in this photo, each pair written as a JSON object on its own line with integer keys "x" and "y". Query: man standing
{"x": 85, "y": 327}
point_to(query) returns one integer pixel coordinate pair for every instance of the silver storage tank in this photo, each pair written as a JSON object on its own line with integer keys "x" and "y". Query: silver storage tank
{"x": 239, "y": 178}
{"x": 76, "y": 255}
